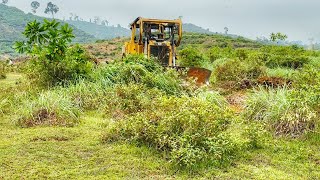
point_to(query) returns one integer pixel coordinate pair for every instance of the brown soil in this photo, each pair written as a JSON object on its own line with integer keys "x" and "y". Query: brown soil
{"x": 273, "y": 81}
{"x": 106, "y": 51}
{"x": 237, "y": 101}
{"x": 42, "y": 117}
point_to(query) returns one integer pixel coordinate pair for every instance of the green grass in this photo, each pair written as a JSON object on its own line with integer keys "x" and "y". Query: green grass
{"x": 73, "y": 153}
{"x": 77, "y": 153}
{"x": 11, "y": 80}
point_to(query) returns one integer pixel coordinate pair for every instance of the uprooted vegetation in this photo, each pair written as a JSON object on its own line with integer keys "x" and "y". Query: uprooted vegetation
{"x": 147, "y": 106}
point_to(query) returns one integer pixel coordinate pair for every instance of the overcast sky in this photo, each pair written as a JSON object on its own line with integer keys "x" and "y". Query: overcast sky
{"x": 299, "y": 19}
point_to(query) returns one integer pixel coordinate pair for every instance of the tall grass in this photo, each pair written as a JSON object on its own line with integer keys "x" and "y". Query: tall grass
{"x": 137, "y": 69}
{"x": 49, "y": 109}
{"x": 281, "y": 111}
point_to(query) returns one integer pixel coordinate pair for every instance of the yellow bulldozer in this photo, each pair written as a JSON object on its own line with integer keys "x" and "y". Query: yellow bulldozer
{"x": 159, "y": 39}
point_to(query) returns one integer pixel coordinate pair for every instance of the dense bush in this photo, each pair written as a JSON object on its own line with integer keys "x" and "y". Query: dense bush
{"x": 307, "y": 81}
{"x": 282, "y": 111}
{"x": 74, "y": 66}
{"x": 237, "y": 73}
{"x": 53, "y": 61}
{"x": 242, "y": 54}
{"x": 191, "y": 57}
{"x": 137, "y": 69}
{"x": 285, "y": 56}
{"x": 189, "y": 130}
{"x": 217, "y": 52}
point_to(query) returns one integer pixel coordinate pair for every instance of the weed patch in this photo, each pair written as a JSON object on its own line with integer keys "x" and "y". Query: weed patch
{"x": 49, "y": 109}
{"x": 281, "y": 112}
{"x": 191, "y": 137}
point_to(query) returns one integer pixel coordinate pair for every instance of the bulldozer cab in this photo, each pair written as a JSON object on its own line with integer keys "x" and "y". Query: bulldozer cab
{"x": 155, "y": 38}
{"x": 159, "y": 39}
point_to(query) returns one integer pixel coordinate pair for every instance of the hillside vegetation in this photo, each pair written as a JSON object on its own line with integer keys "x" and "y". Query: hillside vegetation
{"x": 63, "y": 115}
{"x": 12, "y": 23}
{"x": 101, "y": 31}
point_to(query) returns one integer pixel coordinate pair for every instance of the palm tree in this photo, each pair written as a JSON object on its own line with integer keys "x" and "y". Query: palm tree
{"x": 51, "y": 8}
{"x": 35, "y": 5}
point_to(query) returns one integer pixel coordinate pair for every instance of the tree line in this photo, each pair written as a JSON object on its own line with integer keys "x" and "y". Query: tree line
{"x": 53, "y": 9}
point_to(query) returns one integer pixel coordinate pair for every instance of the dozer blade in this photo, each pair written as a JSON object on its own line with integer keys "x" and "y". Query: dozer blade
{"x": 201, "y": 75}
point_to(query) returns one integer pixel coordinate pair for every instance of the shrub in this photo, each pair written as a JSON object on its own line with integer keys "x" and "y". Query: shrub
{"x": 309, "y": 76}
{"x": 50, "y": 108}
{"x": 191, "y": 136}
{"x": 281, "y": 111}
{"x": 191, "y": 57}
{"x": 255, "y": 134}
{"x": 137, "y": 69}
{"x": 238, "y": 74}
{"x": 75, "y": 65}
{"x": 307, "y": 81}
{"x": 285, "y": 56}
{"x": 242, "y": 54}
{"x": 220, "y": 52}
{"x": 53, "y": 61}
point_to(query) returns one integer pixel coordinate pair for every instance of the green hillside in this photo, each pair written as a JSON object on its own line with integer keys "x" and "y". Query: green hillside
{"x": 12, "y": 23}
{"x": 188, "y": 27}
{"x": 100, "y": 31}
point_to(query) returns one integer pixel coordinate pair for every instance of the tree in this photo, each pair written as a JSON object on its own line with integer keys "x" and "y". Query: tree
{"x": 50, "y": 37}
{"x": 51, "y": 8}
{"x": 54, "y": 60}
{"x": 276, "y": 37}
{"x": 226, "y": 30}
{"x": 5, "y": 1}
{"x": 76, "y": 17}
{"x": 105, "y": 22}
{"x": 71, "y": 16}
{"x": 35, "y": 5}
{"x": 96, "y": 20}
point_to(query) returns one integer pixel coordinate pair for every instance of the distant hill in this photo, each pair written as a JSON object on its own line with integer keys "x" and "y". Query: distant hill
{"x": 188, "y": 27}
{"x": 13, "y": 22}
{"x": 101, "y": 31}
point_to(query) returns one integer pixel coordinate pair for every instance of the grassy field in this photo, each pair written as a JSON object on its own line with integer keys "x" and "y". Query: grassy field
{"x": 11, "y": 80}
{"x": 78, "y": 153}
